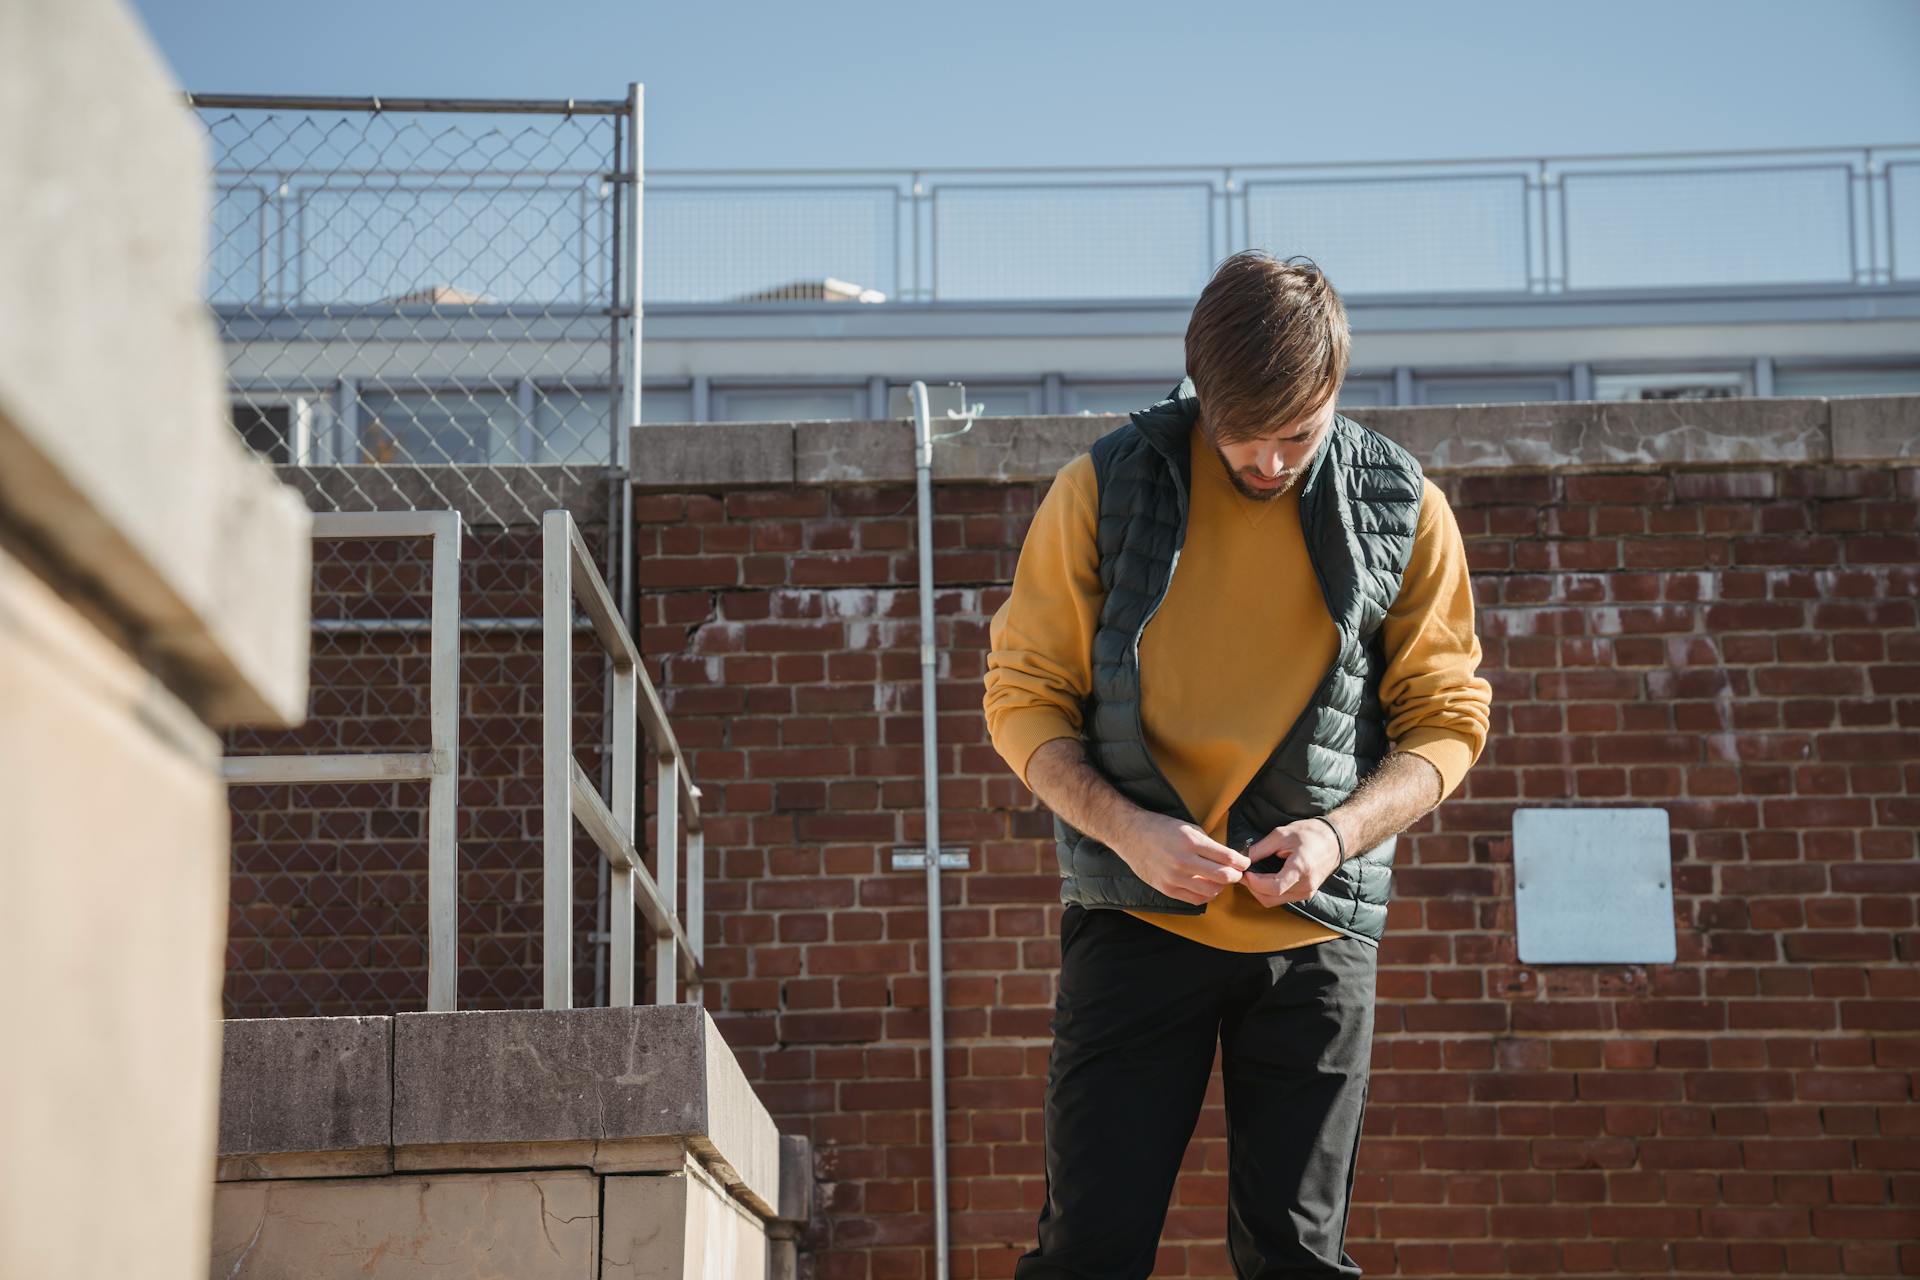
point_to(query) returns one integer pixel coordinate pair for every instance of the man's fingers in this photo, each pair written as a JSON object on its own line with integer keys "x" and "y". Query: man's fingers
{"x": 1187, "y": 893}
{"x": 1221, "y": 854}
{"x": 1279, "y": 883}
{"x": 1278, "y": 840}
{"x": 1201, "y": 868}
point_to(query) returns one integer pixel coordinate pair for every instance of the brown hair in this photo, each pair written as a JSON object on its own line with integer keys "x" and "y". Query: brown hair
{"x": 1266, "y": 346}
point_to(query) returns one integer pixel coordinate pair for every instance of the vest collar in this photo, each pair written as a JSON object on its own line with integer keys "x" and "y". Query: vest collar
{"x": 1168, "y": 423}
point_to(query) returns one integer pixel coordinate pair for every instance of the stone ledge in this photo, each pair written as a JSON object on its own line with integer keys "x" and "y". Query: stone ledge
{"x": 618, "y": 1090}
{"x": 1875, "y": 428}
{"x": 499, "y": 496}
{"x": 305, "y": 1097}
{"x": 1561, "y": 435}
{"x": 1612, "y": 433}
{"x": 748, "y": 453}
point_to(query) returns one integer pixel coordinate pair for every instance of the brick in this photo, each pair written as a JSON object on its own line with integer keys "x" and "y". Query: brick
{"x": 1778, "y": 616}
{"x": 651, "y": 508}
{"x": 826, "y": 536}
{"x": 1577, "y": 686}
{"x": 1816, "y": 551}
{"x": 1632, "y": 748}
{"x": 1723, "y": 486}
{"x": 1566, "y": 554}
{"x": 1672, "y": 553}
{"x": 1504, "y": 489}
{"x": 1639, "y": 489}
{"x": 1868, "y": 746}
{"x": 1851, "y": 614}
{"x": 787, "y": 637}
{"x": 755, "y": 504}
{"x": 827, "y": 570}
{"x": 1782, "y": 681}
{"x": 1829, "y": 482}
{"x": 689, "y": 571}
{"x": 1882, "y": 549}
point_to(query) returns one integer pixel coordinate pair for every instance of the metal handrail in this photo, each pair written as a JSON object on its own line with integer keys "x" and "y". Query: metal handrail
{"x": 568, "y": 573}
{"x": 439, "y": 766}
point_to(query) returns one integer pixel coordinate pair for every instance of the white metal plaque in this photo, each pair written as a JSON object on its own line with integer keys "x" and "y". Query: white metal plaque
{"x": 1593, "y": 886}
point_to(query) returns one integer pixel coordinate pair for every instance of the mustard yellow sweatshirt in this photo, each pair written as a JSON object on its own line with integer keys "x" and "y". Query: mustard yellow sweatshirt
{"x": 1230, "y": 659}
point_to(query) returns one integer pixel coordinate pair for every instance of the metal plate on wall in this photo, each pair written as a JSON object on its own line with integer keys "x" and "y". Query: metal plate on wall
{"x": 1593, "y": 886}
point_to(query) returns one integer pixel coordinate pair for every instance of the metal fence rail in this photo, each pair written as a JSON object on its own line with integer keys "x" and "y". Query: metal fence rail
{"x": 1430, "y": 228}
{"x": 438, "y": 765}
{"x": 568, "y": 795}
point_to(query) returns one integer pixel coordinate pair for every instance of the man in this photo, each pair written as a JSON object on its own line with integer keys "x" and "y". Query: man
{"x": 1238, "y": 659}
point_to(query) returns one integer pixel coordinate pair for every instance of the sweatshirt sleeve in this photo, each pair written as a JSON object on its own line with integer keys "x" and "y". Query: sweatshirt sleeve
{"x": 1436, "y": 705}
{"x": 1040, "y": 659}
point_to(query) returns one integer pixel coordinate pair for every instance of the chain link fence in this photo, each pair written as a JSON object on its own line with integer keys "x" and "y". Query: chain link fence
{"x": 425, "y": 305}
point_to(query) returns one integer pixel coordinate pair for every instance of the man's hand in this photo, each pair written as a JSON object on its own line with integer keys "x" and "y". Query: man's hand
{"x": 1387, "y": 802}
{"x": 1311, "y": 853}
{"x": 1173, "y": 856}
{"x": 1178, "y": 858}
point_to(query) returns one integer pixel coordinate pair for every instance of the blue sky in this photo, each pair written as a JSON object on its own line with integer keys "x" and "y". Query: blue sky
{"x": 840, "y": 82}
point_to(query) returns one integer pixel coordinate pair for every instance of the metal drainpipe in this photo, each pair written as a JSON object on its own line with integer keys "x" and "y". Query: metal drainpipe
{"x": 936, "y": 979}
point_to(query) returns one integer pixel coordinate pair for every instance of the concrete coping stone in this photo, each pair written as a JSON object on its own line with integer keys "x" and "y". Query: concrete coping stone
{"x": 1552, "y": 435}
{"x": 618, "y": 1089}
{"x": 499, "y": 496}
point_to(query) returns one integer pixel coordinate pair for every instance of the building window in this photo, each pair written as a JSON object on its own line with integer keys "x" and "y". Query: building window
{"x": 1681, "y": 384}
{"x": 788, "y": 404}
{"x": 280, "y": 426}
{"x": 1118, "y": 397}
{"x": 267, "y": 429}
{"x": 666, "y": 404}
{"x": 996, "y": 400}
{"x": 1362, "y": 392}
{"x": 437, "y": 426}
{"x": 570, "y": 423}
{"x": 1888, "y": 380}
{"x": 1490, "y": 389}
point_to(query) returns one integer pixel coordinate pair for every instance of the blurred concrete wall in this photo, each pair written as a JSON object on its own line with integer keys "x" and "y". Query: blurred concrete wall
{"x": 153, "y": 589}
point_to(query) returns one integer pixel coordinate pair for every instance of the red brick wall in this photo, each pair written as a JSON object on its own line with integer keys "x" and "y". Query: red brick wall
{"x": 1737, "y": 647}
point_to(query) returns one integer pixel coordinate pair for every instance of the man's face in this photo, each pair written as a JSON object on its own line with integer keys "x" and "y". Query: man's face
{"x": 1266, "y": 467}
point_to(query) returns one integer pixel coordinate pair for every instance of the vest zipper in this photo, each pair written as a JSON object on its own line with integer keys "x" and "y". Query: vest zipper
{"x": 1139, "y": 700}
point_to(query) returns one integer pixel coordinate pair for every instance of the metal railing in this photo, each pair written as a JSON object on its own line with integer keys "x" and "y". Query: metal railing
{"x": 1431, "y": 228}
{"x": 567, "y": 574}
{"x": 438, "y": 766}
{"x": 1553, "y": 224}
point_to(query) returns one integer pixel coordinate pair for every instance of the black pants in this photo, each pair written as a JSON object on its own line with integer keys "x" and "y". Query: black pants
{"x": 1134, "y": 1031}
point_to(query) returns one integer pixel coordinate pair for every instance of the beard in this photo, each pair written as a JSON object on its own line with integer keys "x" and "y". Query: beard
{"x": 1243, "y": 483}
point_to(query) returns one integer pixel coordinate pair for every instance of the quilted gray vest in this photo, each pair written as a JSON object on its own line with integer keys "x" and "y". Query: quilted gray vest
{"x": 1359, "y": 503}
